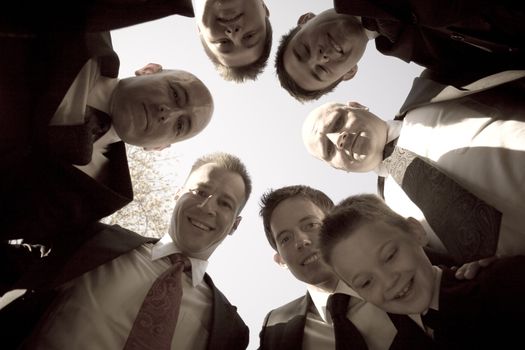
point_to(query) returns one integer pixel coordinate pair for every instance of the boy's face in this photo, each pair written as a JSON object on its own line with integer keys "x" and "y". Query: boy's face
{"x": 387, "y": 267}
{"x": 295, "y": 224}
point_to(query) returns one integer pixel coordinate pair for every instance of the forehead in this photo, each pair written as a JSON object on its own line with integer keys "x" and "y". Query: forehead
{"x": 221, "y": 180}
{"x": 291, "y": 211}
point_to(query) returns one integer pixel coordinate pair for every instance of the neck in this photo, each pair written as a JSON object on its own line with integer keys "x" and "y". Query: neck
{"x": 326, "y": 286}
{"x": 100, "y": 95}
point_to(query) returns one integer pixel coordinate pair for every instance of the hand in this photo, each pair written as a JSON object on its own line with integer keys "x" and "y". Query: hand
{"x": 470, "y": 270}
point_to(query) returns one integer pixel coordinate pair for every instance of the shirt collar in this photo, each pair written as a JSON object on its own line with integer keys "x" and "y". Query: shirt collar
{"x": 434, "y": 302}
{"x": 393, "y": 130}
{"x": 166, "y": 247}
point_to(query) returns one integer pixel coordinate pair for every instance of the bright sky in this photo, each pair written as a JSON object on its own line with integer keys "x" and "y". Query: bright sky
{"x": 260, "y": 123}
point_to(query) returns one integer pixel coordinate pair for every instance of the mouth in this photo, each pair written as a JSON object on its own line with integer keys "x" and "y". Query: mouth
{"x": 146, "y": 116}
{"x": 334, "y": 44}
{"x": 403, "y": 293}
{"x": 311, "y": 259}
{"x": 200, "y": 225}
{"x": 354, "y": 155}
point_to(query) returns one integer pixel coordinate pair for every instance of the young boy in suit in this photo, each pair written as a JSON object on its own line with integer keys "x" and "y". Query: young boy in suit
{"x": 379, "y": 254}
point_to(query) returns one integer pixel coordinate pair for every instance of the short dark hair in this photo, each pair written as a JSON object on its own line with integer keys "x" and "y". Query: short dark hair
{"x": 286, "y": 80}
{"x": 272, "y": 198}
{"x": 249, "y": 71}
{"x": 231, "y": 163}
{"x": 350, "y": 214}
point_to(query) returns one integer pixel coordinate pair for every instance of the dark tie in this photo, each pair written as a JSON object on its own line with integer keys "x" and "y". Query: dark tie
{"x": 409, "y": 334}
{"x": 156, "y": 320}
{"x": 467, "y": 226}
{"x": 347, "y": 336}
{"x": 74, "y": 143}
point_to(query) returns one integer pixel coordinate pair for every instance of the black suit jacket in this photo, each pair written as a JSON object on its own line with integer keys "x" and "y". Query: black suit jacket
{"x": 459, "y": 42}
{"x": 283, "y": 328}
{"x": 103, "y": 244}
{"x": 484, "y": 313}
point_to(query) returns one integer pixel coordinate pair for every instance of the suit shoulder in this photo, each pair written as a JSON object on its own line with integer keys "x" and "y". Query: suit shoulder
{"x": 287, "y": 311}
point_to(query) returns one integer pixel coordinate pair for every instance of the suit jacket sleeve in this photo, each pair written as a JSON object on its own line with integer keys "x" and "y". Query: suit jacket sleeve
{"x": 86, "y": 15}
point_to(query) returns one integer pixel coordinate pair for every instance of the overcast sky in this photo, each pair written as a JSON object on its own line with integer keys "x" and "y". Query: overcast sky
{"x": 260, "y": 123}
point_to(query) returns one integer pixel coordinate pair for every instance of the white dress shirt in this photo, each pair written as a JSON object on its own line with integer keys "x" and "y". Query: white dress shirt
{"x": 97, "y": 310}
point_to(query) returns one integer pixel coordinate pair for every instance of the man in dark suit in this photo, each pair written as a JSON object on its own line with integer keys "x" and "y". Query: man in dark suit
{"x": 83, "y": 116}
{"x": 292, "y": 217}
{"x": 458, "y": 42}
{"x": 473, "y": 136}
{"x": 379, "y": 253}
{"x": 115, "y": 269}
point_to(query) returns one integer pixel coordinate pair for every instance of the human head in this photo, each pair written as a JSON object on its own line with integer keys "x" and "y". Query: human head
{"x": 314, "y": 57}
{"x": 160, "y": 107}
{"x": 236, "y": 35}
{"x": 292, "y": 217}
{"x": 347, "y": 137}
{"x": 379, "y": 254}
{"x": 209, "y": 203}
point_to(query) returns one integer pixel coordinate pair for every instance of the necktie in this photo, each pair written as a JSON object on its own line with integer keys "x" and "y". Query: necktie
{"x": 467, "y": 226}
{"x": 409, "y": 334}
{"x": 157, "y": 317}
{"x": 347, "y": 336}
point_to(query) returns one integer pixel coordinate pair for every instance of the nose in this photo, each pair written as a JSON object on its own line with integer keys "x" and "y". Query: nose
{"x": 322, "y": 55}
{"x": 206, "y": 204}
{"x": 232, "y": 29}
{"x": 302, "y": 240}
{"x": 338, "y": 138}
{"x": 390, "y": 283}
{"x": 166, "y": 113}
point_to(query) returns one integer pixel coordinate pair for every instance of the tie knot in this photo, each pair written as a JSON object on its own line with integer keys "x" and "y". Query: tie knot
{"x": 179, "y": 258}
{"x": 338, "y": 304}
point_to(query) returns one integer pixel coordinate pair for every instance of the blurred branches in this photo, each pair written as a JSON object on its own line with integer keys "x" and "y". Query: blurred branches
{"x": 154, "y": 179}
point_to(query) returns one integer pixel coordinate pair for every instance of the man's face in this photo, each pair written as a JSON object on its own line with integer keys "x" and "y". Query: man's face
{"x": 233, "y": 30}
{"x": 295, "y": 224}
{"x": 156, "y": 110}
{"x": 387, "y": 267}
{"x": 207, "y": 208}
{"x": 347, "y": 137}
{"x": 325, "y": 49}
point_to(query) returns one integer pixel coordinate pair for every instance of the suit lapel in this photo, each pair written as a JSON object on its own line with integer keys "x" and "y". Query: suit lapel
{"x": 224, "y": 322}
{"x": 425, "y": 91}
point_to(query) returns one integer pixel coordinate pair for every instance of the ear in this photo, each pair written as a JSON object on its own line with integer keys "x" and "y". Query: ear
{"x": 235, "y": 224}
{"x": 150, "y": 68}
{"x": 266, "y": 10}
{"x": 159, "y": 148}
{"x": 418, "y": 232}
{"x": 356, "y": 105}
{"x": 350, "y": 74}
{"x": 279, "y": 260}
{"x": 305, "y": 18}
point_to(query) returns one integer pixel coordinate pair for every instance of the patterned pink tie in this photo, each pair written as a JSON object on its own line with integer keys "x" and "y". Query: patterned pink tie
{"x": 157, "y": 318}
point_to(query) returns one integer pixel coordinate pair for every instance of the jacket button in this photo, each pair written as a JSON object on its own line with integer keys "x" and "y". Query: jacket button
{"x": 456, "y": 36}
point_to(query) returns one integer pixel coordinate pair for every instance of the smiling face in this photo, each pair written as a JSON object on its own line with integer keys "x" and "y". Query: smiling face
{"x": 347, "y": 137}
{"x": 325, "y": 50}
{"x": 233, "y": 30}
{"x": 295, "y": 224}
{"x": 156, "y": 110}
{"x": 386, "y": 266}
{"x": 207, "y": 208}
